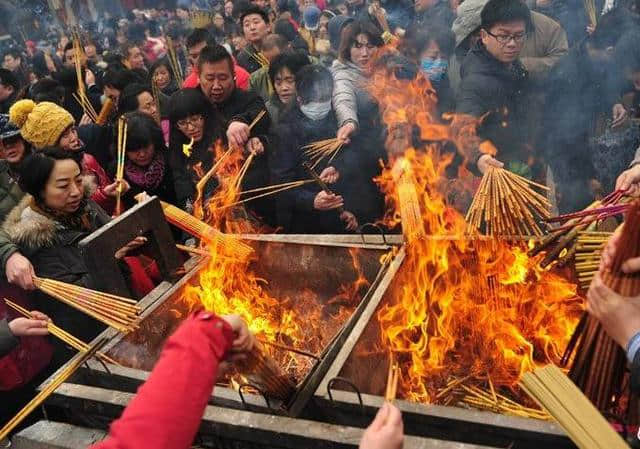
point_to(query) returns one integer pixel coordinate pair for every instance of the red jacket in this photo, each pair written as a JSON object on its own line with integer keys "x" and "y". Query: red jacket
{"x": 166, "y": 412}
{"x": 90, "y": 166}
{"x": 242, "y": 78}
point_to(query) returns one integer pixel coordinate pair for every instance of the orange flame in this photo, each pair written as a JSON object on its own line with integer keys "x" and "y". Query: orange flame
{"x": 461, "y": 305}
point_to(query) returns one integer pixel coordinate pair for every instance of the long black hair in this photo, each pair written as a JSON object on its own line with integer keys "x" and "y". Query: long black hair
{"x": 142, "y": 131}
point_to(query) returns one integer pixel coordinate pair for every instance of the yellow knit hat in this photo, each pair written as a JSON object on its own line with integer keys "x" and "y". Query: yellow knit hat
{"x": 40, "y": 124}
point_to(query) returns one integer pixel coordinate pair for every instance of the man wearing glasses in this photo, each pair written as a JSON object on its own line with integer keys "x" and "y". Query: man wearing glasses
{"x": 494, "y": 86}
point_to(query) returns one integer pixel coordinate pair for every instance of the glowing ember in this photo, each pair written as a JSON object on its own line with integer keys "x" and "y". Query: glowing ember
{"x": 464, "y": 306}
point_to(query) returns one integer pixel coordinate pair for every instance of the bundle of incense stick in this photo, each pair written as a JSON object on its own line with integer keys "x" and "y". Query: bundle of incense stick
{"x": 318, "y": 151}
{"x": 115, "y": 311}
{"x": 120, "y": 160}
{"x": 198, "y": 203}
{"x": 590, "y": 10}
{"x": 392, "y": 380}
{"x": 81, "y": 93}
{"x": 563, "y": 240}
{"x": 586, "y": 427}
{"x": 155, "y": 92}
{"x": 245, "y": 167}
{"x": 61, "y": 378}
{"x": 507, "y": 204}
{"x": 589, "y": 246}
{"x": 492, "y": 401}
{"x": 176, "y": 68}
{"x": 61, "y": 334}
{"x": 105, "y": 112}
{"x": 268, "y": 190}
{"x": 410, "y": 213}
{"x": 262, "y": 372}
{"x": 260, "y": 58}
{"x": 188, "y": 223}
{"x": 598, "y": 367}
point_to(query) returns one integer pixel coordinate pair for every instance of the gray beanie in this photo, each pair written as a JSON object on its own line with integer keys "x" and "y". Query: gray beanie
{"x": 468, "y": 19}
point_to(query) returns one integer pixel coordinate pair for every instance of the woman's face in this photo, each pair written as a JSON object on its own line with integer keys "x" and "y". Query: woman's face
{"x": 218, "y": 21}
{"x": 285, "y": 85}
{"x": 12, "y": 150}
{"x": 432, "y": 51}
{"x": 69, "y": 140}
{"x": 63, "y": 191}
{"x": 362, "y": 51}
{"x": 162, "y": 77}
{"x": 228, "y": 9}
{"x": 147, "y": 105}
{"x": 192, "y": 127}
{"x": 143, "y": 156}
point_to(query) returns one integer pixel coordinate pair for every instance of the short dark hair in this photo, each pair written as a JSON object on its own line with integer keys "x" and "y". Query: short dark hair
{"x": 126, "y": 47}
{"x": 67, "y": 47}
{"x": 36, "y": 169}
{"x": 291, "y": 60}
{"x": 128, "y": 101}
{"x": 214, "y": 53}
{"x": 254, "y": 10}
{"x": 502, "y": 11}
{"x": 188, "y": 102}
{"x": 314, "y": 82}
{"x": 275, "y": 41}
{"x": 48, "y": 89}
{"x": 117, "y": 78}
{"x": 196, "y": 37}
{"x": 14, "y": 52}
{"x": 9, "y": 79}
{"x": 142, "y": 131}
{"x": 418, "y": 42}
{"x": 349, "y": 37}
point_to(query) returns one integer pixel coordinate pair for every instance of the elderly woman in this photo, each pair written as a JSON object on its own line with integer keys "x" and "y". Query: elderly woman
{"x": 355, "y": 108}
{"x": 282, "y": 73}
{"x": 139, "y": 97}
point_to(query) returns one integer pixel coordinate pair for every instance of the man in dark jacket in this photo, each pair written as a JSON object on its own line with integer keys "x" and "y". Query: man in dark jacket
{"x": 428, "y": 12}
{"x": 255, "y": 26}
{"x": 494, "y": 83}
{"x": 238, "y": 109}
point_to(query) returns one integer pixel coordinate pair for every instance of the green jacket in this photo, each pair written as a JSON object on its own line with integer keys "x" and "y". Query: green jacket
{"x": 10, "y": 196}
{"x": 260, "y": 83}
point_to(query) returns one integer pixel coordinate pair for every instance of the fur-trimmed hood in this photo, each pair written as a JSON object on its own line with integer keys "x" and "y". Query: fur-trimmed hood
{"x": 32, "y": 230}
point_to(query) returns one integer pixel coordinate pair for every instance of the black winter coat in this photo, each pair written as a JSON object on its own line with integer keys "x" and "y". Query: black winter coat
{"x": 490, "y": 87}
{"x": 295, "y": 210}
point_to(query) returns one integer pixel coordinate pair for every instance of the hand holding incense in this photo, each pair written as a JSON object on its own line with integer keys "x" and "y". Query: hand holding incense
{"x": 120, "y": 161}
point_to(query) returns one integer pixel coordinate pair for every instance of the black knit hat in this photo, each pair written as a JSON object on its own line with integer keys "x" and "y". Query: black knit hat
{"x": 7, "y": 129}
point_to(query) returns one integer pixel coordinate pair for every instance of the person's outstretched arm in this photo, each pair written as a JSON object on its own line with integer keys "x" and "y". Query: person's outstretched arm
{"x": 166, "y": 412}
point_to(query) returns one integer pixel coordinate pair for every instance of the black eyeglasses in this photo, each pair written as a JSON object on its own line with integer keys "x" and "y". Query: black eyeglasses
{"x": 504, "y": 39}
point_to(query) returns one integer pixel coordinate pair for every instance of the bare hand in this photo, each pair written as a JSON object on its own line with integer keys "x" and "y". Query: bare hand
{"x": 85, "y": 120}
{"x": 133, "y": 244}
{"x": 238, "y": 134}
{"x": 350, "y": 220}
{"x": 386, "y": 431}
{"x": 327, "y": 201}
{"x": 111, "y": 190}
{"x": 629, "y": 181}
{"x": 242, "y": 344}
{"x": 254, "y": 145}
{"x": 345, "y": 131}
{"x": 486, "y": 161}
{"x": 630, "y": 266}
{"x": 590, "y": 29}
{"x": 89, "y": 78}
{"x": 28, "y": 327}
{"x": 619, "y": 315}
{"x": 619, "y": 115}
{"x": 330, "y": 175}
{"x": 20, "y": 272}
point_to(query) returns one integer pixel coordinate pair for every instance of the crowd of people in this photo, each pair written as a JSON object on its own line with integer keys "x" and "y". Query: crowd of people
{"x": 556, "y": 94}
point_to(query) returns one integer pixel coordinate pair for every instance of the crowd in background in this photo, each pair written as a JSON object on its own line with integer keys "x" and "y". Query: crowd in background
{"x": 556, "y": 92}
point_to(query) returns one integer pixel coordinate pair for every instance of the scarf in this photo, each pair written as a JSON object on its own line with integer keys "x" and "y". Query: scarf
{"x": 148, "y": 178}
{"x": 78, "y": 220}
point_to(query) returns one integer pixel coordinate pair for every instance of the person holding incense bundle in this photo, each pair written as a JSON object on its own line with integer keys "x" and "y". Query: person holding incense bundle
{"x": 161, "y": 74}
{"x": 238, "y": 110}
{"x": 313, "y": 209}
{"x": 48, "y": 224}
{"x": 139, "y": 97}
{"x": 10, "y": 331}
{"x": 194, "y": 125}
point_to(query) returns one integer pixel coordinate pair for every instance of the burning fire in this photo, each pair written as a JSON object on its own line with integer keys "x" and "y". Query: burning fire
{"x": 229, "y": 285}
{"x": 463, "y": 306}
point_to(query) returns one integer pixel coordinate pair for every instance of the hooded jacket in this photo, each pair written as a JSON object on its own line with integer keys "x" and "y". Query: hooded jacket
{"x": 495, "y": 92}
{"x": 54, "y": 252}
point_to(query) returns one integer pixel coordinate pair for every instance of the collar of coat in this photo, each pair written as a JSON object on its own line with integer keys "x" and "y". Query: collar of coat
{"x": 32, "y": 230}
